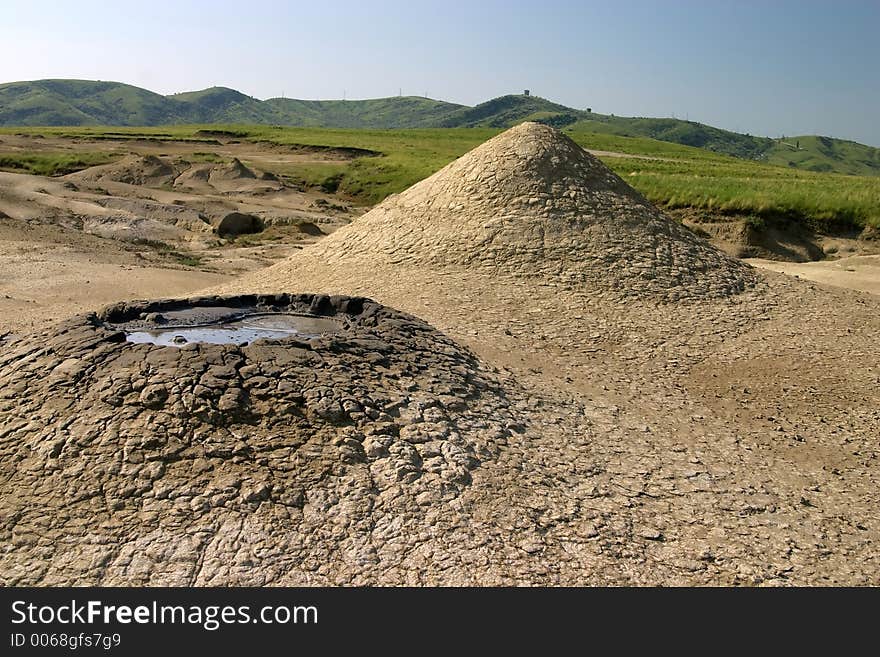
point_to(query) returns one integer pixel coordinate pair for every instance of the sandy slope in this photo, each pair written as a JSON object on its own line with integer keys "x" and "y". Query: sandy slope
{"x": 50, "y": 271}
{"x": 853, "y": 272}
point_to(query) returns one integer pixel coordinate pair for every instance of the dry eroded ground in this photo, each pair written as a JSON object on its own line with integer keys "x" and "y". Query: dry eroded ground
{"x": 860, "y": 272}
{"x": 130, "y": 231}
{"x": 727, "y": 442}
{"x": 677, "y": 431}
{"x": 50, "y": 268}
{"x": 708, "y": 441}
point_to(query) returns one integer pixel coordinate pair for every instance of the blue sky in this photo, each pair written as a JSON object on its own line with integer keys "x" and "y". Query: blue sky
{"x": 763, "y": 67}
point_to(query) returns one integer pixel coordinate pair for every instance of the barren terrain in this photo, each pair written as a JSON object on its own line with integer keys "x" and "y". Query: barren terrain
{"x": 861, "y": 272}
{"x": 727, "y": 437}
{"x": 148, "y": 224}
{"x": 643, "y": 409}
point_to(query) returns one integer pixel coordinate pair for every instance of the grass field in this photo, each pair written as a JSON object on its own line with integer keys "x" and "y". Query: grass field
{"x": 824, "y": 155}
{"x": 97, "y": 103}
{"x": 51, "y": 164}
{"x": 669, "y": 174}
{"x": 684, "y": 177}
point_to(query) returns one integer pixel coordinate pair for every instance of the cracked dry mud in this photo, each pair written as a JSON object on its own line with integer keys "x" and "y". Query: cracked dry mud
{"x": 143, "y": 464}
{"x": 685, "y": 421}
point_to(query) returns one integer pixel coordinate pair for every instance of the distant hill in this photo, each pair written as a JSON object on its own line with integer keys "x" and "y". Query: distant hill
{"x": 399, "y": 112}
{"x": 85, "y": 102}
{"x": 824, "y": 154}
{"x": 687, "y": 133}
{"x": 218, "y": 105}
{"x": 506, "y": 111}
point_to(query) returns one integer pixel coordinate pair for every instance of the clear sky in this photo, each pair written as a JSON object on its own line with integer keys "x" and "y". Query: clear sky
{"x": 767, "y": 67}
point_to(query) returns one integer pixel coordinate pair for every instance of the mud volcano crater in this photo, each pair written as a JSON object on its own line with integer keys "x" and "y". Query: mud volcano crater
{"x": 232, "y": 463}
{"x": 236, "y": 320}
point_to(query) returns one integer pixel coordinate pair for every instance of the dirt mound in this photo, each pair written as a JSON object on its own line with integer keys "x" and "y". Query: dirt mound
{"x": 751, "y": 237}
{"x": 148, "y": 170}
{"x": 309, "y": 228}
{"x": 531, "y": 202}
{"x": 214, "y": 464}
{"x": 168, "y": 213}
{"x": 870, "y": 234}
{"x": 195, "y": 177}
{"x": 226, "y": 178}
{"x": 237, "y": 223}
{"x": 155, "y": 172}
{"x": 139, "y": 220}
{"x": 233, "y": 170}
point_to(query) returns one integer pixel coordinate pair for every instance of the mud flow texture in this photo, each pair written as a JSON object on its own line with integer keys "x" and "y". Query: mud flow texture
{"x": 128, "y": 463}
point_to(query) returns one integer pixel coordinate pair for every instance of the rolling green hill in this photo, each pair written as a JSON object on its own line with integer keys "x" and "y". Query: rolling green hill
{"x": 506, "y": 111}
{"x": 219, "y": 104}
{"x": 824, "y": 154}
{"x": 687, "y": 133}
{"x": 84, "y": 103}
{"x": 377, "y": 113}
{"x": 223, "y": 105}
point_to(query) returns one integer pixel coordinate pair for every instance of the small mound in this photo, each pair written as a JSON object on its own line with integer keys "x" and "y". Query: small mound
{"x": 215, "y": 464}
{"x": 147, "y": 170}
{"x": 308, "y": 228}
{"x": 194, "y": 177}
{"x": 237, "y": 223}
{"x": 226, "y": 178}
{"x": 870, "y": 234}
{"x": 531, "y": 202}
{"x": 233, "y": 170}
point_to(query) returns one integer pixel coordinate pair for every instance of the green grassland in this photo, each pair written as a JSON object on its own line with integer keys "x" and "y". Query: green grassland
{"x": 671, "y": 175}
{"x": 51, "y": 164}
{"x": 823, "y": 202}
{"x": 823, "y": 154}
{"x": 407, "y": 155}
{"x": 88, "y": 102}
{"x": 668, "y": 174}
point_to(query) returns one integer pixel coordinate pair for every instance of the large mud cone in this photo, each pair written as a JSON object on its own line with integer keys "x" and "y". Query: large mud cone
{"x": 284, "y": 461}
{"x": 699, "y": 442}
{"x": 531, "y": 202}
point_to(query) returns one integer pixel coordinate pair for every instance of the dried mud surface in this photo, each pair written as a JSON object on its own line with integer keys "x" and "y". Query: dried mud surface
{"x": 714, "y": 436}
{"x": 191, "y": 466}
{"x": 152, "y": 223}
{"x": 612, "y": 423}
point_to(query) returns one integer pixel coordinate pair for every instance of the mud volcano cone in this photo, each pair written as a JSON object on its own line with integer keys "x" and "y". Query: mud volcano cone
{"x": 530, "y": 202}
{"x": 288, "y": 439}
